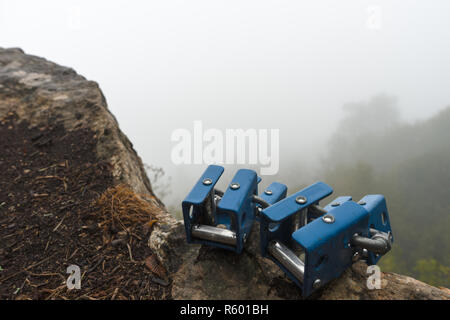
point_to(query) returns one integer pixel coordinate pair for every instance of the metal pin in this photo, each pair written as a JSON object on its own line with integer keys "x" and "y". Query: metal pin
{"x": 288, "y": 259}
{"x": 301, "y": 200}
{"x": 207, "y": 181}
{"x": 328, "y": 218}
{"x": 335, "y": 204}
{"x": 234, "y": 185}
{"x": 215, "y": 234}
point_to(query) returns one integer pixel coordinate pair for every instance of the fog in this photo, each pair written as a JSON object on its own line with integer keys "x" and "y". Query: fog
{"x": 242, "y": 64}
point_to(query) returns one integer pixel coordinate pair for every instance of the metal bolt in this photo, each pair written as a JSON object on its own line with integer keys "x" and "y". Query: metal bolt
{"x": 328, "y": 218}
{"x": 335, "y": 204}
{"x": 207, "y": 181}
{"x": 362, "y": 203}
{"x": 234, "y": 185}
{"x": 317, "y": 283}
{"x": 301, "y": 200}
{"x": 268, "y": 192}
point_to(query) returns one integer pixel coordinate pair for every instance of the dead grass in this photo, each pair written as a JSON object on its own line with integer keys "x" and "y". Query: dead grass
{"x": 121, "y": 207}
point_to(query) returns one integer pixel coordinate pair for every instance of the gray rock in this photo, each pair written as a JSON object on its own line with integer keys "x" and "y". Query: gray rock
{"x": 40, "y": 92}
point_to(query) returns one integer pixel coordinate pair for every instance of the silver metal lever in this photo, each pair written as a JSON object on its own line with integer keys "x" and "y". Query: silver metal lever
{"x": 215, "y": 234}
{"x": 288, "y": 259}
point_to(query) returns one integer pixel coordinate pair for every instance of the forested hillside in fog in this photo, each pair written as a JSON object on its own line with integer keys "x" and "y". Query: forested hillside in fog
{"x": 373, "y": 151}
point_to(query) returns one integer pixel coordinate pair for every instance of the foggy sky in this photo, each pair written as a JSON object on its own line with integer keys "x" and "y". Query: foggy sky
{"x": 241, "y": 64}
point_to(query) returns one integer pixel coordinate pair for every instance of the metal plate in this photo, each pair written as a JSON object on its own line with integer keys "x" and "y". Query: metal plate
{"x": 379, "y": 219}
{"x": 287, "y": 207}
{"x": 327, "y": 245}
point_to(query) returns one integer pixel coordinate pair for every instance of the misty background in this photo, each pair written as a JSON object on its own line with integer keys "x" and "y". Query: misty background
{"x": 359, "y": 91}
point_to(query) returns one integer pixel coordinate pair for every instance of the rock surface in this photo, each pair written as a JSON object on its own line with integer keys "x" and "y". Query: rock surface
{"x": 41, "y": 92}
{"x": 216, "y": 274}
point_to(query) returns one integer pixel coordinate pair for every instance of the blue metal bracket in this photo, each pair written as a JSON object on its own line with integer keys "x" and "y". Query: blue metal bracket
{"x": 225, "y": 220}
{"x": 236, "y": 209}
{"x": 199, "y": 199}
{"x": 272, "y": 194}
{"x": 327, "y": 246}
{"x": 329, "y": 240}
{"x": 278, "y": 221}
{"x": 378, "y": 220}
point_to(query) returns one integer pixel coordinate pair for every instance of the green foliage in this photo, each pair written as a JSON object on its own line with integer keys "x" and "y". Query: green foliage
{"x": 432, "y": 272}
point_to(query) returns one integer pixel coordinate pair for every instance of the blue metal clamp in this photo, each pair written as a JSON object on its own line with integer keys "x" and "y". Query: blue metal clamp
{"x": 330, "y": 239}
{"x": 225, "y": 220}
{"x": 311, "y": 244}
{"x": 280, "y": 220}
{"x": 284, "y": 217}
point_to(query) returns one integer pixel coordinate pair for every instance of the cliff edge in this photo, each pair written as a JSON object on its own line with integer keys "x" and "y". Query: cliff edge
{"x": 74, "y": 192}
